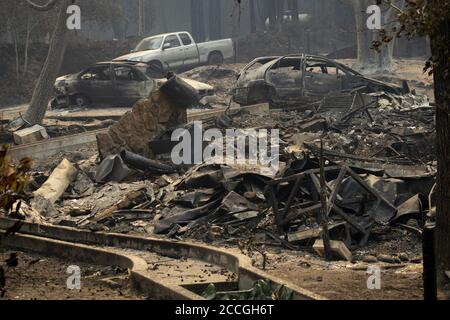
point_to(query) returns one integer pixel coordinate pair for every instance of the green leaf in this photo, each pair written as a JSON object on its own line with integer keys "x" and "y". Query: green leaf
{"x": 210, "y": 292}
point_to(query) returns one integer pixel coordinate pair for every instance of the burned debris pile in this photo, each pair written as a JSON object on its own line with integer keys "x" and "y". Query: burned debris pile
{"x": 347, "y": 167}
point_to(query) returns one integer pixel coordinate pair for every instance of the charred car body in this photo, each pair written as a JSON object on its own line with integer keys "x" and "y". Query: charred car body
{"x": 107, "y": 83}
{"x": 300, "y": 79}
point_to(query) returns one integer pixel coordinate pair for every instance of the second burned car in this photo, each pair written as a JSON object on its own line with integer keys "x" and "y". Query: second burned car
{"x": 104, "y": 84}
{"x": 112, "y": 84}
{"x": 301, "y": 78}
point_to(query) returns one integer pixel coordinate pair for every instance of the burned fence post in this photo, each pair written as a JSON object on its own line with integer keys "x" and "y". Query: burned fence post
{"x": 335, "y": 191}
{"x": 323, "y": 212}
{"x": 292, "y": 196}
{"x": 274, "y": 204}
{"x": 429, "y": 263}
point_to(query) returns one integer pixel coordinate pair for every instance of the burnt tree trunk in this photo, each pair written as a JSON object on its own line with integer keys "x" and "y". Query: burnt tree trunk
{"x": 280, "y": 14}
{"x": 215, "y": 19}
{"x": 44, "y": 87}
{"x": 442, "y": 94}
{"x": 272, "y": 13}
{"x": 385, "y": 58}
{"x": 369, "y": 60}
{"x": 198, "y": 20}
{"x": 362, "y": 38}
{"x": 252, "y": 16}
{"x": 293, "y": 6}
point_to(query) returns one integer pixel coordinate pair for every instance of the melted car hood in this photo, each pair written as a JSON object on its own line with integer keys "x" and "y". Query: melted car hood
{"x": 385, "y": 84}
{"x": 67, "y": 77}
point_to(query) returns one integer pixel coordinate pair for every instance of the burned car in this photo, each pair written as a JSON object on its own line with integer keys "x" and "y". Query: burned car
{"x": 299, "y": 79}
{"x": 104, "y": 84}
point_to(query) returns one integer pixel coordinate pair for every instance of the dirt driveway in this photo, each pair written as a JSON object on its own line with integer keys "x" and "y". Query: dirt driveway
{"x": 42, "y": 278}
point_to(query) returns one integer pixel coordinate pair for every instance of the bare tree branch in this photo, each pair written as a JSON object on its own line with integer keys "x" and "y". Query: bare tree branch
{"x": 50, "y": 4}
{"x": 398, "y": 9}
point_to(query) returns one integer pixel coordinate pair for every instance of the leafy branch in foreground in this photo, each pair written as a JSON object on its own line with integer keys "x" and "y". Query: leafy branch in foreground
{"x": 262, "y": 290}
{"x": 421, "y": 18}
{"x": 13, "y": 180}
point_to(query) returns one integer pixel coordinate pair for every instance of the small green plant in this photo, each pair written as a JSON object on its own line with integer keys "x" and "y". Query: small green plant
{"x": 262, "y": 290}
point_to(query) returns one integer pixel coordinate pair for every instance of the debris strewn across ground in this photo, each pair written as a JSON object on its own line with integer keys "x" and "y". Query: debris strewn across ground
{"x": 359, "y": 167}
{"x": 43, "y": 278}
{"x": 382, "y": 169}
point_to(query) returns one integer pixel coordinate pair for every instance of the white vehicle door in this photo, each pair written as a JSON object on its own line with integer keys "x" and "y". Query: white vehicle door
{"x": 173, "y": 52}
{"x": 191, "y": 57}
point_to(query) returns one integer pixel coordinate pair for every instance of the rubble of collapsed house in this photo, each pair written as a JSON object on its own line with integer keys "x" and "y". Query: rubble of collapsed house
{"x": 370, "y": 154}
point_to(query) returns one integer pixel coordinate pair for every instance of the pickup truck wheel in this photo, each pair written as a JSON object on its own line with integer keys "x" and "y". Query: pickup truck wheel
{"x": 81, "y": 100}
{"x": 215, "y": 58}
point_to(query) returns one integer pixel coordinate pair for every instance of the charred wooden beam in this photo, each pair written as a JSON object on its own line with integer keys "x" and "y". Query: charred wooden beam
{"x": 369, "y": 189}
{"x": 335, "y": 191}
{"x": 303, "y": 175}
{"x": 291, "y": 198}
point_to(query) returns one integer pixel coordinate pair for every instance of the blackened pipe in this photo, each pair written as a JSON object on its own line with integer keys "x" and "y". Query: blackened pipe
{"x": 144, "y": 164}
{"x": 429, "y": 263}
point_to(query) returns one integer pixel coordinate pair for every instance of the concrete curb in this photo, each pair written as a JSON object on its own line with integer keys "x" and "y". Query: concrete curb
{"x": 240, "y": 264}
{"x": 47, "y": 148}
{"x": 140, "y": 279}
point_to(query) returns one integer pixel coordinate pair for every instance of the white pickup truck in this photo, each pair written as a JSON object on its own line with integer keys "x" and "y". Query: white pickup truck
{"x": 174, "y": 51}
